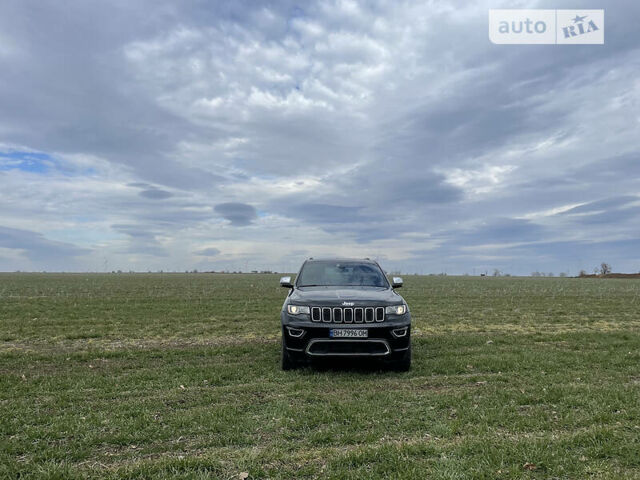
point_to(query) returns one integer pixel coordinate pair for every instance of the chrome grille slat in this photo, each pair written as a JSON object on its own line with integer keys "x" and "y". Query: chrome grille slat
{"x": 369, "y": 315}
{"x": 347, "y": 314}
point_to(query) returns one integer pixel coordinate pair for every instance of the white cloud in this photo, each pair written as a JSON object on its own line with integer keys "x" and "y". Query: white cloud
{"x": 390, "y": 128}
{"x": 480, "y": 181}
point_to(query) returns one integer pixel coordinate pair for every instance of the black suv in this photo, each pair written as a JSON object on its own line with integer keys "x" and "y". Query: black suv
{"x": 344, "y": 308}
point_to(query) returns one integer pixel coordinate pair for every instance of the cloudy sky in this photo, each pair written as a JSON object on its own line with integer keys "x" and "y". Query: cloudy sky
{"x": 247, "y": 135}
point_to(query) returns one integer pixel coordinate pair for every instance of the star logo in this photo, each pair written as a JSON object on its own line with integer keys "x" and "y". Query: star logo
{"x": 577, "y": 18}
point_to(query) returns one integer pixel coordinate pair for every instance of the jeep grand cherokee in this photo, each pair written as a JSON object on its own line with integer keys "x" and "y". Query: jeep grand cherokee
{"x": 344, "y": 308}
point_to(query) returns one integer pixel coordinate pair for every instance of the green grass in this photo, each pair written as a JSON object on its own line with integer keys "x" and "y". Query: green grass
{"x": 177, "y": 376}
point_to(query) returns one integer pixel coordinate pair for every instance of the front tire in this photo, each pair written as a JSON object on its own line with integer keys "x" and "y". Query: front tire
{"x": 287, "y": 361}
{"x": 403, "y": 364}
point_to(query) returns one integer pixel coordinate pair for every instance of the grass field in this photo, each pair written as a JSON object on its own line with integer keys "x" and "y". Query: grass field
{"x": 177, "y": 376}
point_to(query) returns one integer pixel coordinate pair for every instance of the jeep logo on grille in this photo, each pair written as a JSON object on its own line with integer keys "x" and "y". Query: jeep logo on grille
{"x": 347, "y": 304}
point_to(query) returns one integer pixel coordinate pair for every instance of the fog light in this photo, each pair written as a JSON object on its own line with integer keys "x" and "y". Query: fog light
{"x": 400, "y": 332}
{"x": 295, "y": 332}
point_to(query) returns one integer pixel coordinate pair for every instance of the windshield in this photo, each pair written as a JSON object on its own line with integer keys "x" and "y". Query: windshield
{"x": 316, "y": 274}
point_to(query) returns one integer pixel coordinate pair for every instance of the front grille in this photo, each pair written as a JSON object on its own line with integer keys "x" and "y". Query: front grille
{"x": 347, "y": 315}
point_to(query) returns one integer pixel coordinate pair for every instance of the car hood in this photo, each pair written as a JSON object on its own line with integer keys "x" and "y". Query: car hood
{"x": 335, "y": 296}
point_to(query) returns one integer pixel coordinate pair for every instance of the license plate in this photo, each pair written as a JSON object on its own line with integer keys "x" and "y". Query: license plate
{"x": 348, "y": 333}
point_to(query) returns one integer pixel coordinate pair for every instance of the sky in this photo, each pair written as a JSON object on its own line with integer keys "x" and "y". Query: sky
{"x": 247, "y": 135}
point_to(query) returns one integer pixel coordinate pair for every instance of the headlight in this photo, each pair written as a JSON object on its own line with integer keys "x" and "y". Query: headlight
{"x": 297, "y": 309}
{"x": 396, "y": 310}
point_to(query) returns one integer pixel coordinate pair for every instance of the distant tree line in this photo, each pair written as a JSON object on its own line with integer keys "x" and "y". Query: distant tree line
{"x": 603, "y": 269}
{"x": 547, "y": 274}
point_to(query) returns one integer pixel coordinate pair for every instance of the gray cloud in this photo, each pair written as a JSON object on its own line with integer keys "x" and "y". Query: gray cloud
{"x": 36, "y": 246}
{"x": 239, "y": 214}
{"x": 615, "y": 217}
{"x": 155, "y": 193}
{"x": 501, "y": 230}
{"x": 207, "y": 252}
{"x": 326, "y": 214}
{"x": 364, "y": 127}
{"x": 134, "y": 231}
{"x": 142, "y": 239}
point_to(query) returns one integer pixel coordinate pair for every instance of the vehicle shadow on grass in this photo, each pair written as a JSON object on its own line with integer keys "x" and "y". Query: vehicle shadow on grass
{"x": 361, "y": 366}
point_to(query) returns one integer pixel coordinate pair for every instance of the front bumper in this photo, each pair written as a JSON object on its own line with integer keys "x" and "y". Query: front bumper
{"x": 385, "y": 339}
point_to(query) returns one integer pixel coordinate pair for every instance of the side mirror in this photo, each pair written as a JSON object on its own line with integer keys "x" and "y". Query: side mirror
{"x": 286, "y": 282}
{"x": 396, "y": 282}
